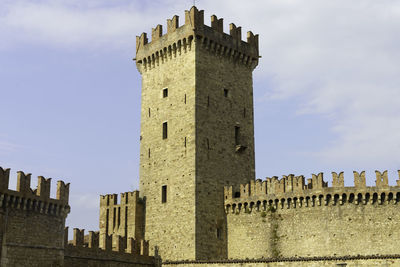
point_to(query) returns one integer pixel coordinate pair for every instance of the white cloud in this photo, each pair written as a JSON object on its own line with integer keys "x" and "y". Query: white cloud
{"x": 341, "y": 56}
{"x": 341, "y": 59}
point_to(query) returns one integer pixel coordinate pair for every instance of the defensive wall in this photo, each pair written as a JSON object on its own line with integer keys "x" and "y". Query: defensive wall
{"x": 110, "y": 251}
{"x": 124, "y": 218}
{"x": 32, "y": 223}
{"x": 289, "y": 218}
{"x": 33, "y": 232}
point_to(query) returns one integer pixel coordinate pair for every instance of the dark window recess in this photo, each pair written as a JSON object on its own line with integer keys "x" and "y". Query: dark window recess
{"x": 165, "y": 92}
{"x": 185, "y": 142}
{"x": 237, "y": 135}
{"x": 165, "y": 130}
{"x": 185, "y": 98}
{"x": 149, "y": 113}
{"x": 164, "y": 194}
{"x": 119, "y": 216}
{"x": 149, "y": 153}
{"x": 107, "y": 218}
{"x": 226, "y": 92}
{"x": 219, "y": 233}
{"x": 114, "y": 217}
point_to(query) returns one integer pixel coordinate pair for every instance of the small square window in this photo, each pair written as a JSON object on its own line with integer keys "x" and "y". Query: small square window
{"x": 165, "y": 92}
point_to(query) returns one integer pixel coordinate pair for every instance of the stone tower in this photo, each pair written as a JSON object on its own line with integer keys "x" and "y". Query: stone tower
{"x": 197, "y": 132}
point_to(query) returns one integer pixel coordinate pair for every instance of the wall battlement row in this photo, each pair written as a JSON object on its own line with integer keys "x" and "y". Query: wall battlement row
{"x": 114, "y": 243}
{"x": 25, "y": 197}
{"x": 179, "y": 39}
{"x": 292, "y": 189}
{"x": 127, "y": 198}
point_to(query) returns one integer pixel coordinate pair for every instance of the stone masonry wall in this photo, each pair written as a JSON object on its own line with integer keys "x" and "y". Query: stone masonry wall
{"x": 32, "y": 224}
{"x": 111, "y": 251}
{"x": 168, "y": 161}
{"x": 392, "y": 262}
{"x": 200, "y": 155}
{"x": 124, "y": 218}
{"x": 316, "y": 221}
{"x": 224, "y": 101}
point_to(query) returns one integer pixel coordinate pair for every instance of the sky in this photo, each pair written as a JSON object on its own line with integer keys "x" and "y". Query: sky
{"x": 326, "y": 90}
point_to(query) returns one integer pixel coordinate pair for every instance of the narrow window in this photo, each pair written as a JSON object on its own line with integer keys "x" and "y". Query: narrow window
{"x": 149, "y": 153}
{"x": 126, "y": 221}
{"x": 219, "y": 233}
{"x": 119, "y": 216}
{"x": 226, "y": 92}
{"x": 237, "y": 135}
{"x": 165, "y": 92}
{"x": 185, "y": 98}
{"x": 185, "y": 141}
{"x": 164, "y": 194}
{"x": 114, "y": 217}
{"x": 107, "y": 220}
{"x": 149, "y": 113}
{"x": 165, "y": 130}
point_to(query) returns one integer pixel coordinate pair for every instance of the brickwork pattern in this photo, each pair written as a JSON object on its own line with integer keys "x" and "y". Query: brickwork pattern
{"x": 270, "y": 218}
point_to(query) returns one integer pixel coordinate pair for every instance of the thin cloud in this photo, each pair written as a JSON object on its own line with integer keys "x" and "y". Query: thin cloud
{"x": 340, "y": 57}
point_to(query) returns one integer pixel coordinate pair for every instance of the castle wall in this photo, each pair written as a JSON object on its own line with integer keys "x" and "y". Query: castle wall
{"x": 224, "y": 100}
{"x": 209, "y": 78}
{"x": 170, "y": 161}
{"x": 32, "y": 224}
{"x": 395, "y": 261}
{"x": 111, "y": 250}
{"x": 124, "y": 218}
{"x": 317, "y": 221}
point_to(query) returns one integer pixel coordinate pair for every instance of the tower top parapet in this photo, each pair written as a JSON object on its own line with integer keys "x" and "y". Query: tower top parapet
{"x": 195, "y": 30}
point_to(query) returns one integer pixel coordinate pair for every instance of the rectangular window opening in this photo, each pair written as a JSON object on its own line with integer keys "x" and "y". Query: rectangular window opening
{"x": 114, "y": 217}
{"x": 149, "y": 153}
{"x": 226, "y": 92}
{"x": 237, "y": 135}
{"x": 185, "y": 98}
{"x": 165, "y": 92}
{"x": 185, "y": 141}
{"x": 164, "y": 194}
{"x": 119, "y": 216}
{"x": 219, "y": 233}
{"x": 165, "y": 130}
{"x": 149, "y": 113}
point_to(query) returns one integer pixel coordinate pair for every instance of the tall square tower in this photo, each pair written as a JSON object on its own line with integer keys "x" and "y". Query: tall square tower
{"x": 197, "y": 132}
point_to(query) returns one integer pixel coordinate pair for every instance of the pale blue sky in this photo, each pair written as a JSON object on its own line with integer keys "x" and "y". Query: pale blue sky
{"x": 326, "y": 89}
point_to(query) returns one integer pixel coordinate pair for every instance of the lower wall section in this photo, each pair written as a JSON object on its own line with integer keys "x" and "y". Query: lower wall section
{"x": 94, "y": 257}
{"x": 306, "y": 262}
{"x": 315, "y": 231}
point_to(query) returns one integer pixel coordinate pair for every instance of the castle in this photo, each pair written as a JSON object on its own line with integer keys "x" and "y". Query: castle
{"x": 199, "y": 203}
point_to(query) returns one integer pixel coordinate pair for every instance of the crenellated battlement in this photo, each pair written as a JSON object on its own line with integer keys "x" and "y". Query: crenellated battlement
{"x": 127, "y": 198}
{"x": 180, "y": 39}
{"x": 293, "y": 192}
{"x": 114, "y": 243}
{"x": 38, "y": 199}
